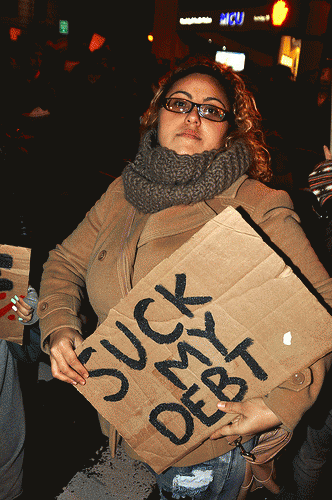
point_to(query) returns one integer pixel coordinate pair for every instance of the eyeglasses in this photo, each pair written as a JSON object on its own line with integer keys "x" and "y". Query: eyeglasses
{"x": 208, "y": 111}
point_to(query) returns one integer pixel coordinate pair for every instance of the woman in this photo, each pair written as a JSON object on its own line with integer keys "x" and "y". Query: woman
{"x": 201, "y": 150}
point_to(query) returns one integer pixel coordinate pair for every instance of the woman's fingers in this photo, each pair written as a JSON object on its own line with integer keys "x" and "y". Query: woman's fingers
{"x": 252, "y": 416}
{"x": 70, "y": 378}
{"x": 64, "y": 362}
{"x": 65, "y": 369}
{"x": 22, "y": 309}
{"x": 229, "y": 429}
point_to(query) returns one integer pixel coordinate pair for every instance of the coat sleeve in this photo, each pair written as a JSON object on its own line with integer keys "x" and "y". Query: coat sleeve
{"x": 276, "y": 217}
{"x": 63, "y": 279}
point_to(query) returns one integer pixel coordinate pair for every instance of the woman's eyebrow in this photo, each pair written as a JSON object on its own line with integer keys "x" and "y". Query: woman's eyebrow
{"x": 182, "y": 92}
{"x": 204, "y": 100}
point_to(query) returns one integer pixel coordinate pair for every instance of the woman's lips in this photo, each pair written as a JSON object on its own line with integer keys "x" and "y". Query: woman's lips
{"x": 190, "y": 133}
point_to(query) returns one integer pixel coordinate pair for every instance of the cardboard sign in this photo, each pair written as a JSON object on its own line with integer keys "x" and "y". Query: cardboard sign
{"x": 14, "y": 280}
{"x": 224, "y": 318}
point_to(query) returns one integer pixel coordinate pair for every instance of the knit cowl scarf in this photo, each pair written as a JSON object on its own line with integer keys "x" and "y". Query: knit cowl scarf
{"x": 160, "y": 178}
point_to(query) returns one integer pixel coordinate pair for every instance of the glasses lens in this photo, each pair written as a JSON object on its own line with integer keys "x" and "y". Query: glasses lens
{"x": 208, "y": 111}
{"x": 178, "y": 105}
{"x": 212, "y": 112}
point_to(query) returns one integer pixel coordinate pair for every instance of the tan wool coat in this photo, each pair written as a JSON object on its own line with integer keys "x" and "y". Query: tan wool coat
{"x": 115, "y": 246}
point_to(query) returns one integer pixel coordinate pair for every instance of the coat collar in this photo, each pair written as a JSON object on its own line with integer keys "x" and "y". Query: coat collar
{"x": 182, "y": 218}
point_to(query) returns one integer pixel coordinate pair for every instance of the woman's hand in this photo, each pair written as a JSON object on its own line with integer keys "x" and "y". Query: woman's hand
{"x": 22, "y": 309}
{"x": 64, "y": 362}
{"x": 252, "y": 417}
{"x": 25, "y": 307}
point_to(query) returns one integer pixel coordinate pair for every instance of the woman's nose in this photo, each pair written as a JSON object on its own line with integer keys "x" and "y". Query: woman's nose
{"x": 193, "y": 116}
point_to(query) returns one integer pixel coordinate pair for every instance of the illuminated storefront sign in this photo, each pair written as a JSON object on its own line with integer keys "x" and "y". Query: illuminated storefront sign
{"x": 195, "y": 20}
{"x": 262, "y": 19}
{"x": 275, "y": 14}
{"x": 231, "y": 19}
{"x": 289, "y": 53}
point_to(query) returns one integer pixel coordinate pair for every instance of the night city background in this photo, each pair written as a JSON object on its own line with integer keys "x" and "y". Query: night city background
{"x": 76, "y": 77}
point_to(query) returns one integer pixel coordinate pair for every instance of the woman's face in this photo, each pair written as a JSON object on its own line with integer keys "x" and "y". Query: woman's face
{"x": 189, "y": 133}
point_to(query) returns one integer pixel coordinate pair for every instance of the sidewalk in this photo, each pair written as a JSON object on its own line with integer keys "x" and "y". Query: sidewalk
{"x": 119, "y": 479}
{"x": 67, "y": 457}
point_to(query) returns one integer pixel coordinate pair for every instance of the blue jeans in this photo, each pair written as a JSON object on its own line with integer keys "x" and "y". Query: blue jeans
{"x": 216, "y": 479}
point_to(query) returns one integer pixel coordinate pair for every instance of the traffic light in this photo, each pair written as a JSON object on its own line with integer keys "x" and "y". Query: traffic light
{"x": 279, "y": 12}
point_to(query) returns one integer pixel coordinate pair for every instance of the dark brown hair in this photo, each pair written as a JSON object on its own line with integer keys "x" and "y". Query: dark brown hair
{"x": 246, "y": 123}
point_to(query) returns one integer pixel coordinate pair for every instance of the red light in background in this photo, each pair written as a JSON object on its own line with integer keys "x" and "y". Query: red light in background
{"x": 61, "y": 44}
{"x": 14, "y": 33}
{"x": 150, "y": 38}
{"x": 69, "y": 65}
{"x": 97, "y": 41}
{"x": 279, "y": 13}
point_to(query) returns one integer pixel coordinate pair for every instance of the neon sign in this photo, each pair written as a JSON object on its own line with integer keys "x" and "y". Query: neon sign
{"x": 195, "y": 20}
{"x": 262, "y": 19}
{"x": 231, "y": 19}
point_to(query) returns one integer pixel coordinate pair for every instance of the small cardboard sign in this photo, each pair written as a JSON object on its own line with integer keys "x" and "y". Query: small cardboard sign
{"x": 14, "y": 280}
{"x": 223, "y": 318}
